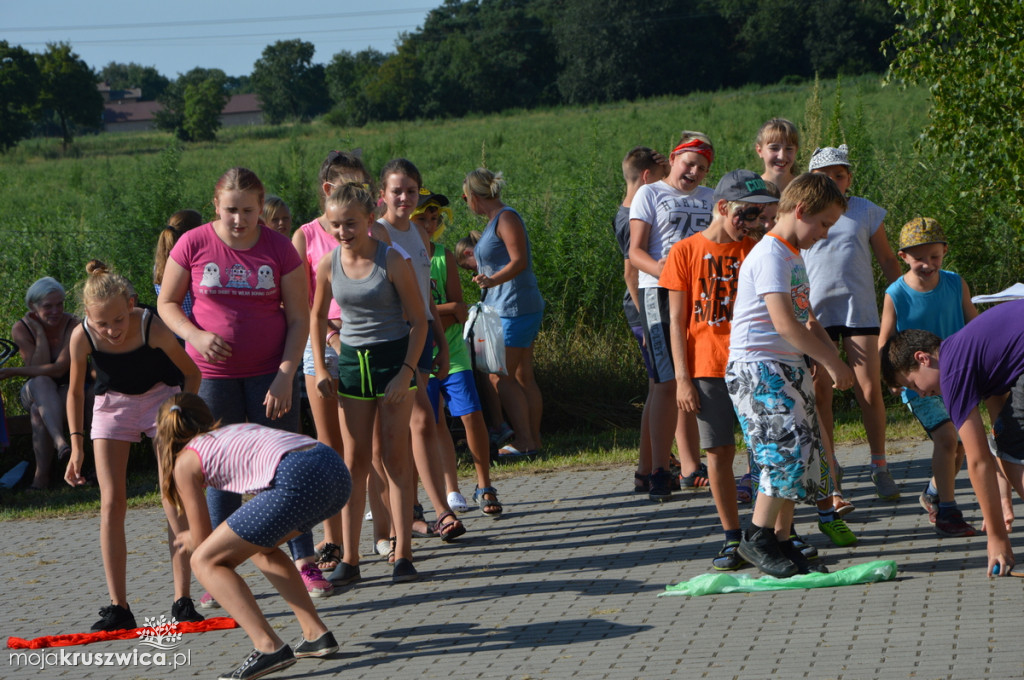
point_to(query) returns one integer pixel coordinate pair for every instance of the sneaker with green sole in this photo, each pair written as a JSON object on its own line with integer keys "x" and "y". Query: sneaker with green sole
{"x": 728, "y": 558}
{"x": 838, "y": 532}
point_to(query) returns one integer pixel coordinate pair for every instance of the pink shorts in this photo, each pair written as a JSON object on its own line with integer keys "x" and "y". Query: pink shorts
{"x": 125, "y": 417}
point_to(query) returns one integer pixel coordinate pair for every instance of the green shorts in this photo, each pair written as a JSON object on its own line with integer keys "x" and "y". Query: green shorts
{"x": 364, "y": 372}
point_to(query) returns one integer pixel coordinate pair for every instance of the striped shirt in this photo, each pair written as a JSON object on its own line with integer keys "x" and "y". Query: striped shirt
{"x": 243, "y": 458}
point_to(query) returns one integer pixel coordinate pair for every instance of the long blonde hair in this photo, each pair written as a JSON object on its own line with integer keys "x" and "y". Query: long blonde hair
{"x": 181, "y": 418}
{"x": 178, "y": 224}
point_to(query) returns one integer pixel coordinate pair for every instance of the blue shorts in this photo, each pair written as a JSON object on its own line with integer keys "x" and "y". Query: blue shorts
{"x": 774, "y": 402}
{"x": 930, "y": 411}
{"x": 330, "y": 358}
{"x": 459, "y": 391}
{"x": 638, "y": 333}
{"x": 521, "y": 331}
{"x": 309, "y": 486}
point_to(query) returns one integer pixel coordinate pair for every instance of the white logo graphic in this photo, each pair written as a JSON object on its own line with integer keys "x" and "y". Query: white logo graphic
{"x": 161, "y": 633}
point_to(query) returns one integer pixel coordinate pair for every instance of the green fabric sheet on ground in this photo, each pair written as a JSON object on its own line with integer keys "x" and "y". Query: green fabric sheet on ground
{"x": 716, "y": 584}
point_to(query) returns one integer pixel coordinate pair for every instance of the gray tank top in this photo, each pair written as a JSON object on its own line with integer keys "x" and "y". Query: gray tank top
{"x": 412, "y": 243}
{"x": 371, "y": 311}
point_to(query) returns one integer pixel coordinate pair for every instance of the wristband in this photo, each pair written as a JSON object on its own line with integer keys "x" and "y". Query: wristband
{"x": 78, "y": 433}
{"x": 331, "y": 335}
{"x": 407, "y": 364}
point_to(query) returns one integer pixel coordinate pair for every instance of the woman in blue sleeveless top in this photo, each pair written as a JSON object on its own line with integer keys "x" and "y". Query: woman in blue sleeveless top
{"x": 505, "y": 276}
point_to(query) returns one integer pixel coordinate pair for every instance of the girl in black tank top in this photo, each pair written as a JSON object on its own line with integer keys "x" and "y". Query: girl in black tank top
{"x": 139, "y": 363}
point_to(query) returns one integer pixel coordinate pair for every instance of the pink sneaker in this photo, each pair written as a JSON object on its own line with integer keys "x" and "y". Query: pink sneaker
{"x": 207, "y": 602}
{"x": 315, "y": 582}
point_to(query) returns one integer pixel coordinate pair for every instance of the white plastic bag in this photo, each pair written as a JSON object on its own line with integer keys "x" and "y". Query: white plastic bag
{"x": 485, "y": 339}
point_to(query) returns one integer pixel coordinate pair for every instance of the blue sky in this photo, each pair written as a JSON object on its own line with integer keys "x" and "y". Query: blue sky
{"x": 179, "y": 35}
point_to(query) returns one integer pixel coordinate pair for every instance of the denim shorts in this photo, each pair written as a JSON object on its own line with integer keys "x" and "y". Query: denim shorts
{"x": 330, "y": 358}
{"x": 930, "y": 411}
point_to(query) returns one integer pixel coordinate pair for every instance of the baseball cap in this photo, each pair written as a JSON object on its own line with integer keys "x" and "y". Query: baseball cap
{"x": 827, "y": 156}
{"x": 428, "y": 196}
{"x": 743, "y": 185}
{"x": 921, "y": 231}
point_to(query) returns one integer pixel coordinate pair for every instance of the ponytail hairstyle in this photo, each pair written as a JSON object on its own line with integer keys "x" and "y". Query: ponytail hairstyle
{"x": 181, "y": 418}
{"x": 104, "y": 284}
{"x": 240, "y": 179}
{"x": 400, "y": 166}
{"x": 342, "y": 167}
{"x": 466, "y": 243}
{"x": 177, "y": 225}
{"x": 484, "y": 183}
{"x": 352, "y": 193}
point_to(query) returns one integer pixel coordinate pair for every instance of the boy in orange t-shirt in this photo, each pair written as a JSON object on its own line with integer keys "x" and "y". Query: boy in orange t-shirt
{"x": 701, "y": 275}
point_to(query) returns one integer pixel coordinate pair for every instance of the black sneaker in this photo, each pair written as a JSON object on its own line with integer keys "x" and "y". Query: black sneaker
{"x": 184, "y": 609}
{"x": 344, "y": 574}
{"x": 658, "y": 489}
{"x": 115, "y": 617}
{"x": 803, "y": 565}
{"x": 261, "y": 663}
{"x": 404, "y": 571}
{"x": 761, "y": 549}
{"x": 728, "y": 559}
{"x": 322, "y": 646}
{"x": 808, "y": 550}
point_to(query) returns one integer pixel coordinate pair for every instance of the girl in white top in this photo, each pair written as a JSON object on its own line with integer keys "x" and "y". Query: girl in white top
{"x": 661, "y": 214}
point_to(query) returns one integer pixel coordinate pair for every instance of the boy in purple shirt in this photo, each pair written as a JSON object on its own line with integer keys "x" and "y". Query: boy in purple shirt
{"x": 982, "y": 361}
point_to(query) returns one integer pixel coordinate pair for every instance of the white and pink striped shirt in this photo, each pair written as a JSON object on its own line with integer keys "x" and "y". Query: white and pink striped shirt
{"x": 243, "y": 458}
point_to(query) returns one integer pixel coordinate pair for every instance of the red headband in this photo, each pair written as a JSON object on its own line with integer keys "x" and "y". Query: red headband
{"x": 697, "y": 146}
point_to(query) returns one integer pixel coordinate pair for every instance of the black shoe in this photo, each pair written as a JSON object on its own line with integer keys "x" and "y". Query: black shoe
{"x": 260, "y": 663}
{"x": 659, "y": 481}
{"x": 322, "y": 646}
{"x": 115, "y": 617}
{"x": 805, "y": 548}
{"x": 761, "y": 549}
{"x": 728, "y": 559}
{"x": 344, "y": 574}
{"x": 404, "y": 571}
{"x": 796, "y": 556}
{"x": 184, "y": 609}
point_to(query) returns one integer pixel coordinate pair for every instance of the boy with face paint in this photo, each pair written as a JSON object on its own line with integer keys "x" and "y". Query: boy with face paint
{"x": 701, "y": 276}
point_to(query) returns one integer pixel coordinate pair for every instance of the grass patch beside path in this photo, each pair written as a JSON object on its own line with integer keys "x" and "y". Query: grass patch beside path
{"x": 563, "y": 451}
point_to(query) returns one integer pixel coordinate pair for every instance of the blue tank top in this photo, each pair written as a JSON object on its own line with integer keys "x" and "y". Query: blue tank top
{"x": 371, "y": 311}
{"x": 517, "y": 297}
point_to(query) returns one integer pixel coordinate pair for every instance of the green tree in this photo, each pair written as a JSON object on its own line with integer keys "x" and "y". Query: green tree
{"x": 68, "y": 90}
{"x": 288, "y": 83}
{"x": 172, "y": 116}
{"x": 19, "y": 93}
{"x": 203, "y": 103}
{"x": 346, "y": 77}
{"x": 126, "y": 76}
{"x": 971, "y": 55}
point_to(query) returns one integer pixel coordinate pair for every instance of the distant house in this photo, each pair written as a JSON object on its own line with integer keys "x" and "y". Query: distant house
{"x": 123, "y": 112}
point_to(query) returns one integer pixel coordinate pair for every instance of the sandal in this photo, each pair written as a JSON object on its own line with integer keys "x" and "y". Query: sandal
{"x": 328, "y": 557}
{"x": 480, "y": 496}
{"x": 385, "y": 547}
{"x": 641, "y": 483}
{"x": 745, "y": 490}
{"x": 450, "y": 530}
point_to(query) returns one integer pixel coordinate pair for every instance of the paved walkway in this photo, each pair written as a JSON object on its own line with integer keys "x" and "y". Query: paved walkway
{"x": 565, "y": 587}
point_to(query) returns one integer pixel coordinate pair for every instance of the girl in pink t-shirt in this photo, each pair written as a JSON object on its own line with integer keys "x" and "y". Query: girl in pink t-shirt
{"x": 247, "y": 327}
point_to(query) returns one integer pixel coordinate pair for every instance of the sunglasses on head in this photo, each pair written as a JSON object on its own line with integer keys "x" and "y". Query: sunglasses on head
{"x": 750, "y": 214}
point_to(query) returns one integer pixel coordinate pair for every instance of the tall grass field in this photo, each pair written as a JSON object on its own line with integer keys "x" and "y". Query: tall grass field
{"x": 110, "y": 195}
